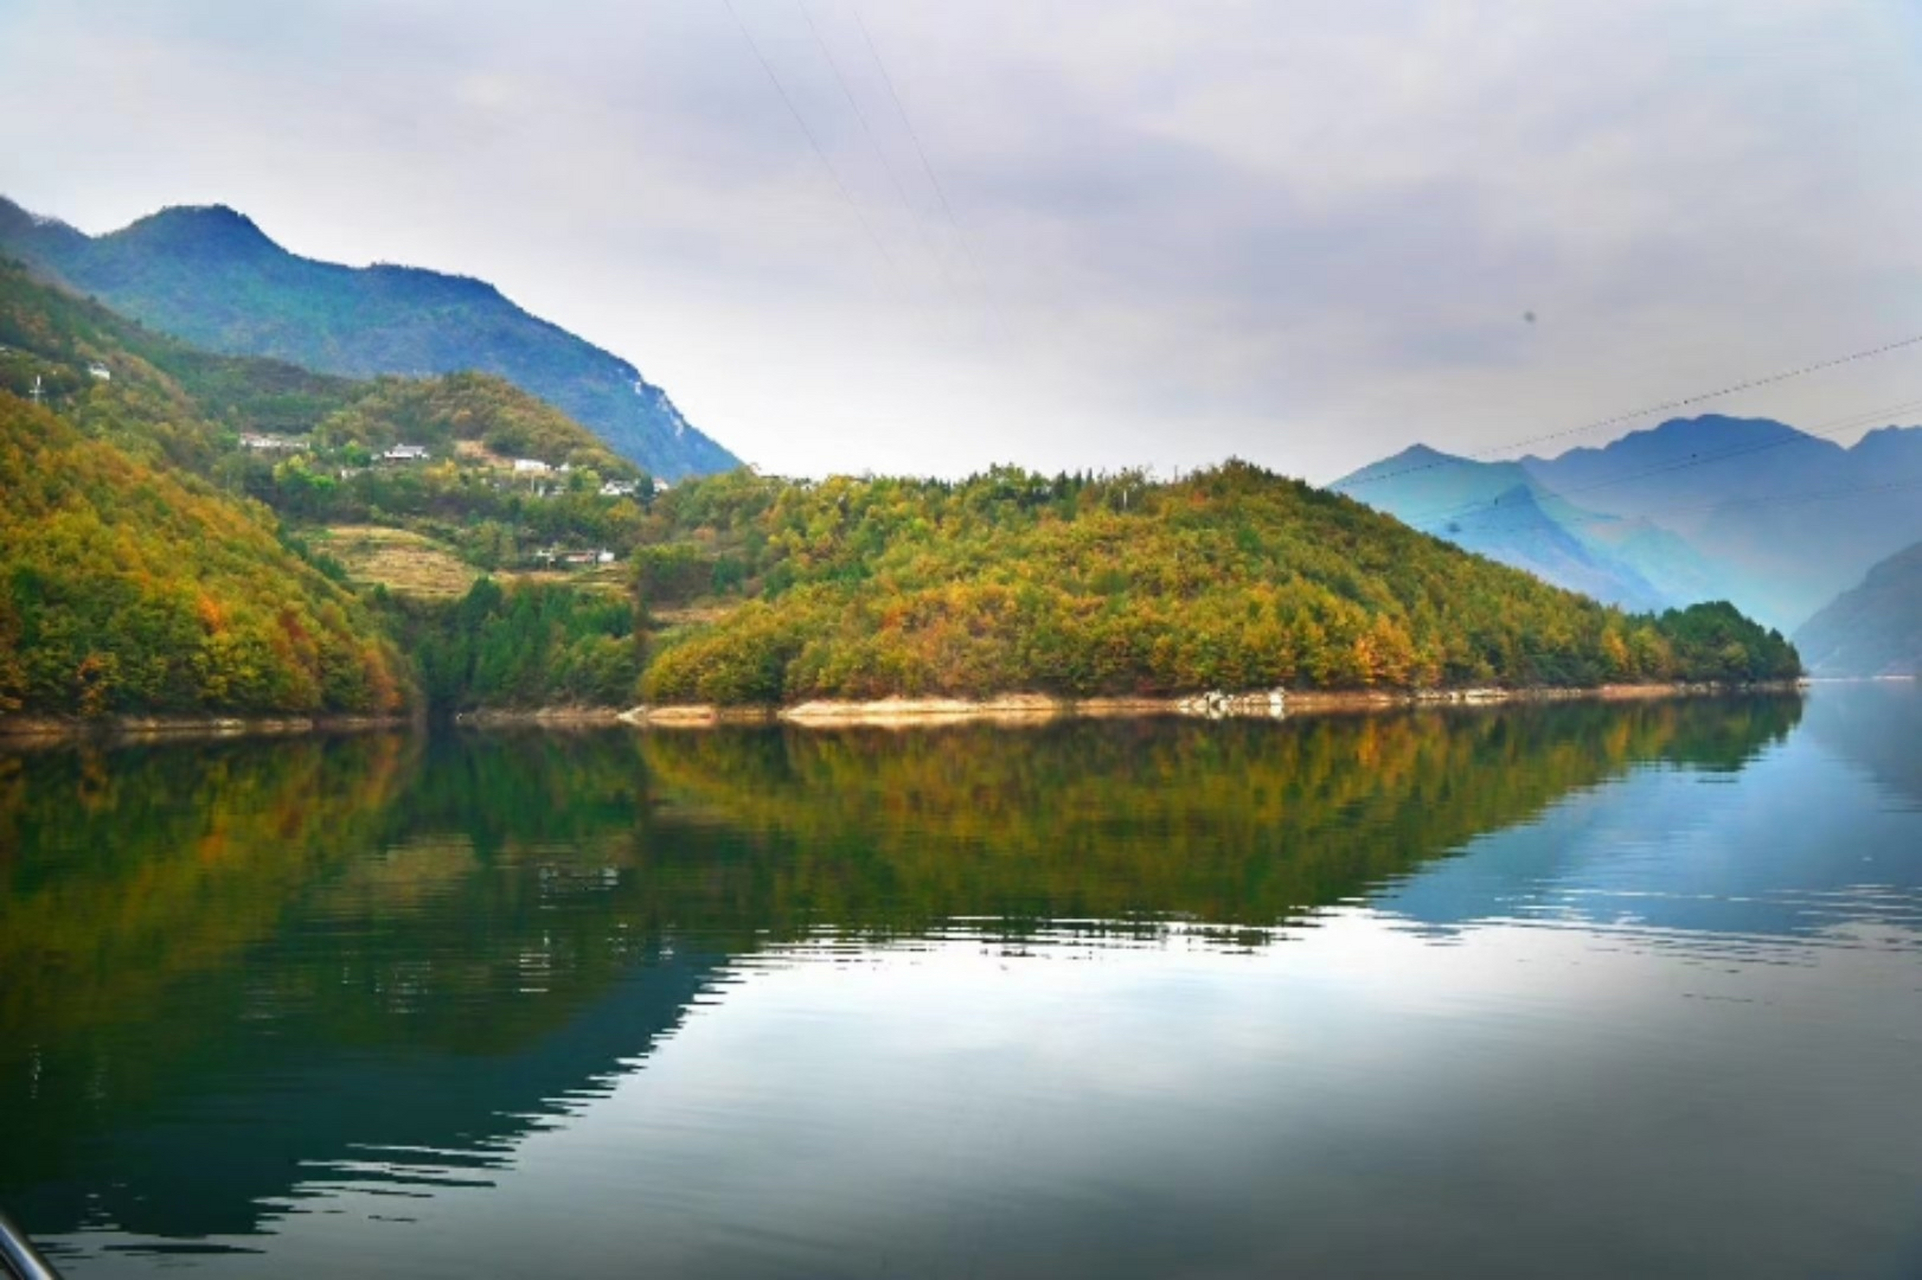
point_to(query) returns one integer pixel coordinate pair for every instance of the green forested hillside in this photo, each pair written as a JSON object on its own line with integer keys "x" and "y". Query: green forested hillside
{"x": 209, "y": 276}
{"x": 527, "y": 645}
{"x": 124, "y": 587}
{"x": 166, "y": 402}
{"x": 151, "y": 378}
{"x": 1231, "y": 578}
{"x": 751, "y": 590}
{"x": 132, "y": 550}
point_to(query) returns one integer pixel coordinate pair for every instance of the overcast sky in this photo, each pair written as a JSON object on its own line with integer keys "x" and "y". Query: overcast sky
{"x": 1307, "y": 232}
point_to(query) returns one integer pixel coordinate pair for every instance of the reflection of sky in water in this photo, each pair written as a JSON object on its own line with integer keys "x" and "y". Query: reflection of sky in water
{"x": 1799, "y": 842}
{"x": 1356, "y": 1099}
{"x": 1670, "y": 1026}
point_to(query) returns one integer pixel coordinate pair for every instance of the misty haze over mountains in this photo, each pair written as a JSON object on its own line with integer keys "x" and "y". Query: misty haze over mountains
{"x": 1750, "y": 510}
{"x": 1874, "y": 629}
{"x": 210, "y": 276}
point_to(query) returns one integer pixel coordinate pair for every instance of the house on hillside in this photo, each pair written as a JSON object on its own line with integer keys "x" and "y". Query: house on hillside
{"x": 620, "y": 488}
{"x": 530, "y": 467}
{"x": 405, "y": 453}
{"x": 551, "y": 556}
{"x": 270, "y": 444}
{"x": 100, "y": 371}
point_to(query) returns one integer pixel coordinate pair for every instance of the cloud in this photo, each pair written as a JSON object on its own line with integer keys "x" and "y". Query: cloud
{"x": 1304, "y": 233}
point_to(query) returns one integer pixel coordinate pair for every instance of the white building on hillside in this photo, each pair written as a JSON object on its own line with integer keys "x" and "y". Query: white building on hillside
{"x": 530, "y": 467}
{"x": 405, "y": 453}
{"x": 268, "y": 444}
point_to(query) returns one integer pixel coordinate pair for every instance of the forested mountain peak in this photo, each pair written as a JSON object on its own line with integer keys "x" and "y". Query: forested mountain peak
{"x": 212, "y": 277}
{"x": 197, "y": 231}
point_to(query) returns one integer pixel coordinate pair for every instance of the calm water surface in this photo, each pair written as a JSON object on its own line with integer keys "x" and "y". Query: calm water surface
{"x": 1578, "y": 990}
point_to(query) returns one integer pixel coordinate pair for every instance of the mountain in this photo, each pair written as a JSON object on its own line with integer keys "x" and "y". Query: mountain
{"x": 1792, "y": 518}
{"x": 1231, "y": 578}
{"x": 163, "y": 395}
{"x": 1745, "y": 509}
{"x": 1228, "y": 579}
{"x": 1873, "y": 629}
{"x": 160, "y": 509}
{"x": 210, "y": 276}
{"x": 1498, "y": 510}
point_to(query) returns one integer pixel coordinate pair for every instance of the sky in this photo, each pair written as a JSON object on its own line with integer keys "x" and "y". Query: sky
{"x": 927, "y": 237}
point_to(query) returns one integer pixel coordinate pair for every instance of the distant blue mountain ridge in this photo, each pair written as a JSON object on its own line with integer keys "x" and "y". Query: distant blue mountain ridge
{"x": 1749, "y": 510}
{"x": 210, "y": 276}
{"x": 1874, "y": 629}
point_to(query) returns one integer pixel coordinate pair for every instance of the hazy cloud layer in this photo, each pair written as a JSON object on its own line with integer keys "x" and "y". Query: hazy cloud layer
{"x": 1303, "y": 232}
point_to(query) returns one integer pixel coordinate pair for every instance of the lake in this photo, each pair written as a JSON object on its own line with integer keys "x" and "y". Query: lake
{"x": 1581, "y": 989}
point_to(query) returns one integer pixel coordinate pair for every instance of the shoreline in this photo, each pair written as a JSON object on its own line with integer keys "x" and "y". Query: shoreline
{"x": 1034, "y": 708}
{"x": 30, "y": 730}
{"x": 558, "y": 717}
{"x": 895, "y": 712}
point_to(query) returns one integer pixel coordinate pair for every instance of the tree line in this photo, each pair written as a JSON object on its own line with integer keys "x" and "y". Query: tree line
{"x": 1230, "y": 578}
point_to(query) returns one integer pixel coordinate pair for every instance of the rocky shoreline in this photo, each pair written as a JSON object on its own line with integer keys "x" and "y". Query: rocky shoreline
{"x": 1016, "y": 708}
{"x": 1027, "y": 708}
{"x": 548, "y": 717}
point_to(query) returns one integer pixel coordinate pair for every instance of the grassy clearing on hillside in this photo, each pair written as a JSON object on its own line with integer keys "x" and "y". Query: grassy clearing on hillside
{"x": 412, "y": 564}
{"x": 401, "y": 560}
{"x": 601, "y": 578}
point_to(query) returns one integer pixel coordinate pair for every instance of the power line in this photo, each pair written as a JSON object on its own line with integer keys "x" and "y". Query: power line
{"x": 1666, "y": 406}
{"x": 1833, "y": 427}
{"x": 814, "y": 142}
{"x": 868, "y": 131}
{"x": 927, "y": 167}
{"x": 1850, "y": 491}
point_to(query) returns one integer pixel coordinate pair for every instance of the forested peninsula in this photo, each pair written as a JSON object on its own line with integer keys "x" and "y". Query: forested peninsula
{"x": 187, "y": 534}
{"x": 1082, "y": 586}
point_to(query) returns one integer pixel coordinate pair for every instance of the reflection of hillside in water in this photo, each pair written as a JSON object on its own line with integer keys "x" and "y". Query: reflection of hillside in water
{"x": 1809, "y": 848}
{"x": 262, "y": 962}
{"x": 237, "y": 970}
{"x": 1876, "y": 726}
{"x": 1233, "y": 823}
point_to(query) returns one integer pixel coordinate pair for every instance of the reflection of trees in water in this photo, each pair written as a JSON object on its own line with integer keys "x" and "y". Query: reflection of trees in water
{"x": 426, "y": 943}
{"x": 364, "y": 941}
{"x": 1236, "y": 822}
{"x": 134, "y": 867}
